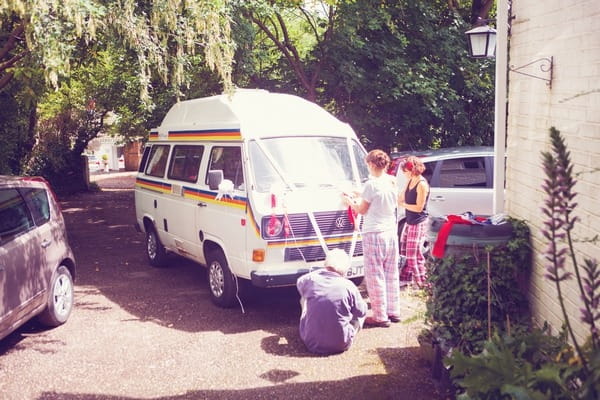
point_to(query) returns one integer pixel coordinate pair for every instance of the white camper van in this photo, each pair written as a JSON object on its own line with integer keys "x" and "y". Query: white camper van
{"x": 250, "y": 186}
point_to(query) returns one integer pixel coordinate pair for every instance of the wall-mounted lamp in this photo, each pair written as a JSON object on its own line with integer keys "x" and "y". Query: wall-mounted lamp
{"x": 482, "y": 42}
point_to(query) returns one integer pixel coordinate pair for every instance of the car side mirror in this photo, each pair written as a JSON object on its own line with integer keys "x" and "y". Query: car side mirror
{"x": 215, "y": 177}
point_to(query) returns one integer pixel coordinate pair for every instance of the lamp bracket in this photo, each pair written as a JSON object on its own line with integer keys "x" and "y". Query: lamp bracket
{"x": 545, "y": 64}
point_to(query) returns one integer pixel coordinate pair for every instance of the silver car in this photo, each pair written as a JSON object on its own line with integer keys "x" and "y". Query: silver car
{"x": 460, "y": 178}
{"x": 37, "y": 266}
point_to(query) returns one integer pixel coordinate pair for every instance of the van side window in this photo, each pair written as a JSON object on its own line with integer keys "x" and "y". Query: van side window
{"x": 359, "y": 154}
{"x": 158, "y": 160}
{"x": 142, "y": 165}
{"x": 229, "y": 160}
{"x": 185, "y": 163}
{"x": 14, "y": 215}
{"x": 37, "y": 199}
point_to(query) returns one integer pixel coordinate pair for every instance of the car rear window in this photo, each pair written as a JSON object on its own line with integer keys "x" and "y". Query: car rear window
{"x": 463, "y": 172}
{"x": 37, "y": 199}
{"x": 14, "y": 215}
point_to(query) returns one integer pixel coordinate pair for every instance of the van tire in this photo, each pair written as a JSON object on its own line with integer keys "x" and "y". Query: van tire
{"x": 357, "y": 281}
{"x": 155, "y": 251}
{"x": 60, "y": 298}
{"x": 221, "y": 282}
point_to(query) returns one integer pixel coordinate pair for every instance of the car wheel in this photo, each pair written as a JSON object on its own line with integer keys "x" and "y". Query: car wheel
{"x": 60, "y": 298}
{"x": 157, "y": 255}
{"x": 221, "y": 282}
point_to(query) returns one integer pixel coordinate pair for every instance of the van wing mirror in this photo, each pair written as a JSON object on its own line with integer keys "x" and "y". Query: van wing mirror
{"x": 215, "y": 176}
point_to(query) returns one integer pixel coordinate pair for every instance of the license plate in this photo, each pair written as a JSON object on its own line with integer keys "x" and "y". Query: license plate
{"x": 355, "y": 271}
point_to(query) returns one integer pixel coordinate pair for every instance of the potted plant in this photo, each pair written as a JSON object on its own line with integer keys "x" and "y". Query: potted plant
{"x": 105, "y": 161}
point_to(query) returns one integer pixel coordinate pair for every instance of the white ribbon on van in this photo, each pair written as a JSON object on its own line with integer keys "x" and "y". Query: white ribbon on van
{"x": 225, "y": 188}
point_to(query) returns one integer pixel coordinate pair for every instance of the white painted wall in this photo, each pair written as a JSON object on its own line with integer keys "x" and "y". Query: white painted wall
{"x": 570, "y": 32}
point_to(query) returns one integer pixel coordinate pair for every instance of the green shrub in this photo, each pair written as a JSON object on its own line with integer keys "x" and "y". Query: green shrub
{"x": 535, "y": 364}
{"x": 457, "y": 308}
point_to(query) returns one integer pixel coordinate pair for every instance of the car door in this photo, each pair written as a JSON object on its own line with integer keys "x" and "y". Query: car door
{"x": 22, "y": 261}
{"x": 461, "y": 184}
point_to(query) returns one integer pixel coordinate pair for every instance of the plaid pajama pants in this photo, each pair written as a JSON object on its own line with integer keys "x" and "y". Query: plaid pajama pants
{"x": 411, "y": 242}
{"x": 381, "y": 254}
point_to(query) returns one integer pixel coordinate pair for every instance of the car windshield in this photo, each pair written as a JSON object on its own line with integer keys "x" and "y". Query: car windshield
{"x": 307, "y": 161}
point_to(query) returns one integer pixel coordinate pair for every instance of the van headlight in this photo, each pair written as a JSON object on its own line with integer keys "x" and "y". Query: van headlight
{"x": 272, "y": 227}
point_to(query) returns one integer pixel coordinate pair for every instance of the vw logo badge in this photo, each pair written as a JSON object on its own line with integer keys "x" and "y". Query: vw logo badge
{"x": 339, "y": 222}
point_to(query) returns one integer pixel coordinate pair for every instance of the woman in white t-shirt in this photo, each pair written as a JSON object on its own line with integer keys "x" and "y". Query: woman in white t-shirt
{"x": 378, "y": 202}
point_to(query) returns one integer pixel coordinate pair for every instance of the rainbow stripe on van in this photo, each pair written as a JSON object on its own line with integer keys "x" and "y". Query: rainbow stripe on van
{"x": 219, "y": 135}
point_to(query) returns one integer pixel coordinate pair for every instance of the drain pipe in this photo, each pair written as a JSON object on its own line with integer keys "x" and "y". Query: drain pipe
{"x": 500, "y": 105}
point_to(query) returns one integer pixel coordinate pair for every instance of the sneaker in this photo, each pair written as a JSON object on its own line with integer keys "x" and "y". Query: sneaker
{"x": 394, "y": 319}
{"x": 369, "y": 321}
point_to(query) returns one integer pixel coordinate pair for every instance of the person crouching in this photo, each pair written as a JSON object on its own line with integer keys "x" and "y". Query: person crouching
{"x": 333, "y": 310}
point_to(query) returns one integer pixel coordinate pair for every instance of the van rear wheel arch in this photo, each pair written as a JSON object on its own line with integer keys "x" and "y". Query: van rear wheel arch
{"x": 155, "y": 251}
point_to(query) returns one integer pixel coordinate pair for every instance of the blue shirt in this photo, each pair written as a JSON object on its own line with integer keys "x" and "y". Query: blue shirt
{"x": 330, "y": 302}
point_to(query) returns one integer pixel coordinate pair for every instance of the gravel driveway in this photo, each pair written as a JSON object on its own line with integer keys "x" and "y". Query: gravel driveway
{"x": 139, "y": 332}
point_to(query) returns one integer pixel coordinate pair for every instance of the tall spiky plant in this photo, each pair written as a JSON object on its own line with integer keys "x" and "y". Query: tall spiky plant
{"x": 558, "y": 226}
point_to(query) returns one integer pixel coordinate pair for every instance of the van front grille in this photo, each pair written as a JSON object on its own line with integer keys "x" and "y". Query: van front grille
{"x": 316, "y": 253}
{"x": 330, "y": 223}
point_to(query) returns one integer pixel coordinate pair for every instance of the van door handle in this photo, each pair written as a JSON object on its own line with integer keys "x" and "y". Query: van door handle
{"x": 438, "y": 198}
{"x": 46, "y": 243}
{"x": 202, "y": 204}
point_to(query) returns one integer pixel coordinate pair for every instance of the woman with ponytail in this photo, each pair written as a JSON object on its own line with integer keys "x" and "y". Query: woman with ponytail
{"x": 414, "y": 199}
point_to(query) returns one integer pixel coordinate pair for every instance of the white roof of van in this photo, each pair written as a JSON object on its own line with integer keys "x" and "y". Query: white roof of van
{"x": 256, "y": 113}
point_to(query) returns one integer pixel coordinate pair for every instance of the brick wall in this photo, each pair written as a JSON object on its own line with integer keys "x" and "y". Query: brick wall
{"x": 570, "y": 32}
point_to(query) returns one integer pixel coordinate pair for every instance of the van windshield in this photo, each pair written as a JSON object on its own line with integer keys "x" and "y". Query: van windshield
{"x": 306, "y": 162}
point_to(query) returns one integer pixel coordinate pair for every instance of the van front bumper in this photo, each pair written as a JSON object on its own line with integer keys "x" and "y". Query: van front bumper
{"x": 264, "y": 279}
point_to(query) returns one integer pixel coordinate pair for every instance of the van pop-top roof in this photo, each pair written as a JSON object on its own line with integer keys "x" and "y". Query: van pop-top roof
{"x": 249, "y": 113}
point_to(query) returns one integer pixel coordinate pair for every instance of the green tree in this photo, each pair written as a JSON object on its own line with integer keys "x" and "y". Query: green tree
{"x": 400, "y": 74}
{"x": 397, "y": 71}
{"x": 288, "y": 41}
{"x": 161, "y": 33}
{"x": 104, "y": 59}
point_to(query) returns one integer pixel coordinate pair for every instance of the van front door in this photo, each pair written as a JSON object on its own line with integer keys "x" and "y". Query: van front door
{"x": 221, "y": 215}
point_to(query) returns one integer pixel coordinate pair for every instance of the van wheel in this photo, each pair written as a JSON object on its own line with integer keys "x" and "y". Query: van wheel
{"x": 157, "y": 256}
{"x": 60, "y": 298}
{"x": 221, "y": 281}
{"x": 358, "y": 281}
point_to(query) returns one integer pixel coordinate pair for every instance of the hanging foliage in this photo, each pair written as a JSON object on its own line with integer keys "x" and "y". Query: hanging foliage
{"x": 162, "y": 33}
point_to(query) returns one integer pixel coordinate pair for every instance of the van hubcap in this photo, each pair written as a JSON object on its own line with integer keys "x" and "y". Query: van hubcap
{"x": 151, "y": 246}
{"x": 216, "y": 279}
